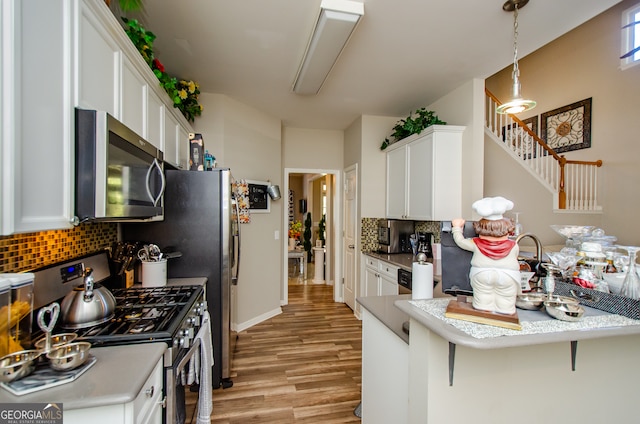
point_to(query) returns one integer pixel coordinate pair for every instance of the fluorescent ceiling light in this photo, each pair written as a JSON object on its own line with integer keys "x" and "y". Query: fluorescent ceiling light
{"x": 334, "y": 26}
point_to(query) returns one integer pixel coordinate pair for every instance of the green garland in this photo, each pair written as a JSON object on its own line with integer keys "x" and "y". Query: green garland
{"x": 183, "y": 93}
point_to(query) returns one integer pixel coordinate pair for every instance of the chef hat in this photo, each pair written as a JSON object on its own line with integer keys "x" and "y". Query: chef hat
{"x": 492, "y": 208}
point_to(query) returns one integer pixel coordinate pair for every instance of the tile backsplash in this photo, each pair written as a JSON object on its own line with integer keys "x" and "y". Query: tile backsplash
{"x": 24, "y": 252}
{"x": 369, "y": 232}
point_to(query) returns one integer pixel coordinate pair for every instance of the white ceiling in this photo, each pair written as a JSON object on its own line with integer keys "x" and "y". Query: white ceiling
{"x": 404, "y": 54}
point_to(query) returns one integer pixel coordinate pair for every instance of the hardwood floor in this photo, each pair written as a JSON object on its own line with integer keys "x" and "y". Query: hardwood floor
{"x": 303, "y": 366}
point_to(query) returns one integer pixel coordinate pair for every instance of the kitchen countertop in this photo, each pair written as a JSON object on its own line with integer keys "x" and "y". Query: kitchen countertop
{"x": 403, "y": 260}
{"x": 384, "y": 309}
{"x": 116, "y": 378}
{"x": 537, "y": 327}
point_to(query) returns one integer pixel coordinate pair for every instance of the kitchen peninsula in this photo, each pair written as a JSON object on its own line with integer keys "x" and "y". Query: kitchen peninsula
{"x": 462, "y": 371}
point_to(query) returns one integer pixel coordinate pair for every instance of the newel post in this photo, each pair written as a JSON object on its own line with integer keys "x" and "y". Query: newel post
{"x": 562, "y": 199}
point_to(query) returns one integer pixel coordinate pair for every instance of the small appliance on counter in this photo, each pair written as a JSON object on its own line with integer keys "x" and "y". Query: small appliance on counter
{"x": 425, "y": 242}
{"x": 393, "y": 236}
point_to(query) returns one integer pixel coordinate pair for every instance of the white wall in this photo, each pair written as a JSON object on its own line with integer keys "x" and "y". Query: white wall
{"x": 465, "y": 106}
{"x": 248, "y": 141}
{"x": 313, "y": 149}
{"x": 581, "y": 64}
{"x": 373, "y": 165}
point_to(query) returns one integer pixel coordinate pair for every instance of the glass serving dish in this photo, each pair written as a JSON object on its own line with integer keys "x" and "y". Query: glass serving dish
{"x": 574, "y": 234}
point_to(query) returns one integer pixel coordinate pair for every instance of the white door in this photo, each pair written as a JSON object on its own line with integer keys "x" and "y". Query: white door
{"x": 350, "y": 232}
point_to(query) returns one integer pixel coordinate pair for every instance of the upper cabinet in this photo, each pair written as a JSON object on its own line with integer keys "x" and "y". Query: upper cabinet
{"x": 424, "y": 175}
{"x": 37, "y": 116}
{"x": 58, "y": 55}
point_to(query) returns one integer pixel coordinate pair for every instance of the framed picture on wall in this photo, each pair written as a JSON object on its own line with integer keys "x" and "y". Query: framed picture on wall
{"x": 259, "y": 200}
{"x": 516, "y": 136}
{"x": 567, "y": 128}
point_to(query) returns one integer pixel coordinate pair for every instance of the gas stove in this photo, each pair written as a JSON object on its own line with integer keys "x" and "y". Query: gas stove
{"x": 171, "y": 314}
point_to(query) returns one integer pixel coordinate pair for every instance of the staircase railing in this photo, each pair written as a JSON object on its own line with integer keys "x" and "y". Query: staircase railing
{"x": 575, "y": 182}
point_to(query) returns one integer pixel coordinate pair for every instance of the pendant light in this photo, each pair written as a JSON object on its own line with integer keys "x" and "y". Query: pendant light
{"x": 517, "y": 104}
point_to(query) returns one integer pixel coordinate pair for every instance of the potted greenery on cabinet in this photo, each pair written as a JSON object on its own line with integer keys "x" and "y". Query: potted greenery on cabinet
{"x": 413, "y": 124}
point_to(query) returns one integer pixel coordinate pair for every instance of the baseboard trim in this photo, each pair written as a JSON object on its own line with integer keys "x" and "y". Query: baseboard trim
{"x": 257, "y": 320}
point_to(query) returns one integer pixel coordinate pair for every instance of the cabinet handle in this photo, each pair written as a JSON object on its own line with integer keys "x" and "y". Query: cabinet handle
{"x": 149, "y": 392}
{"x": 352, "y": 246}
{"x": 163, "y": 402}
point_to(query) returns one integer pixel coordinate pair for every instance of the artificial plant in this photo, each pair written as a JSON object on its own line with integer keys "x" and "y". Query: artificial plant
{"x": 321, "y": 228}
{"x": 413, "y": 124}
{"x": 184, "y": 94}
{"x": 307, "y": 236}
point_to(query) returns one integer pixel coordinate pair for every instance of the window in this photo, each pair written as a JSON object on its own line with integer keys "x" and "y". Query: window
{"x": 630, "y": 37}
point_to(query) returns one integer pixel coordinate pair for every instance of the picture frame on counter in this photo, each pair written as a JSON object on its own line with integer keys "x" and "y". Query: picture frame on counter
{"x": 567, "y": 128}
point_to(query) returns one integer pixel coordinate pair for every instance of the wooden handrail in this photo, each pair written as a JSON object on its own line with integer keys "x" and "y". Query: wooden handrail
{"x": 562, "y": 161}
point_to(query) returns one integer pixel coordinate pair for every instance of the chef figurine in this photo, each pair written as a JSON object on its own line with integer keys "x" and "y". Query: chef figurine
{"x": 495, "y": 272}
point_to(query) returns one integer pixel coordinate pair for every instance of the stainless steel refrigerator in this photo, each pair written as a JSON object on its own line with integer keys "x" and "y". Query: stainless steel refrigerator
{"x": 201, "y": 221}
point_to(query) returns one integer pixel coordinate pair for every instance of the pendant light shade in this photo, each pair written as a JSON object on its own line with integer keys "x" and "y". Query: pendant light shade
{"x": 517, "y": 104}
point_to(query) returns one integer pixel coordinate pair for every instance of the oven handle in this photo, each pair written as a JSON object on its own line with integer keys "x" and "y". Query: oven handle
{"x": 183, "y": 363}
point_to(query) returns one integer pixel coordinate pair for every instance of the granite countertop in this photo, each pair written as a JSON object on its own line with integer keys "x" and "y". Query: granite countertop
{"x": 537, "y": 326}
{"x": 116, "y": 378}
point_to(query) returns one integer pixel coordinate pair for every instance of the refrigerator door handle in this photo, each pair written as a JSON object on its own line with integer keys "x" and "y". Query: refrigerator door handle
{"x": 236, "y": 243}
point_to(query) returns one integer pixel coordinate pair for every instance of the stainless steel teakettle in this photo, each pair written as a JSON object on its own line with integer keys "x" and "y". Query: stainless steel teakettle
{"x": 87, "y": 305}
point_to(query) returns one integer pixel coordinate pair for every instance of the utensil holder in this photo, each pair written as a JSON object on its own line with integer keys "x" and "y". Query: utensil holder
{"x": 154, "y": 273}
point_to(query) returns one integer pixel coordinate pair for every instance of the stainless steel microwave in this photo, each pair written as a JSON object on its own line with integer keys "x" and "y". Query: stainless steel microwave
{"x": 119, "y": 175}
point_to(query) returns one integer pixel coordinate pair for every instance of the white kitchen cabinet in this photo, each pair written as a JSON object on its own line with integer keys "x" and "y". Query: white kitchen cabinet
{"x": 380, "y": 278}
{"x": 385, "y": 373}
{"x": 146, "y": 408}
{"x": 90, "y": 63}
{"x": 183, "y": 146}
{"x": 171, "y": 134}
{"x": 424, "y": 175}
{"x": 134, "y": 98}
{"x": 37, "y": 116}
{"x": 97, "y": 59}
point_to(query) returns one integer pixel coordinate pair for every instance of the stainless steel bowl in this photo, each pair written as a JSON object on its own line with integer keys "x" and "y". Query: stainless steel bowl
{"x": 530, "y": 301}
{"x": 564, "y": 311}
{"x": 69, "y": 356}
{"x": 18, "y": 364}
{"x": 56, "y": 340}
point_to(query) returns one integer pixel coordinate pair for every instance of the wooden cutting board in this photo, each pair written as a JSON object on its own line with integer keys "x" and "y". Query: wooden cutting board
{"x": 460, "y": 309}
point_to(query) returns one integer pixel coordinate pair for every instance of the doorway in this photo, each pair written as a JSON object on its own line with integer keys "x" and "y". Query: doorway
{"x": 316, "y": 191}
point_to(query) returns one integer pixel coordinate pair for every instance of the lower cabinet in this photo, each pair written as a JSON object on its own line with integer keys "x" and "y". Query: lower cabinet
{"x": 380, "y": 278}
{"x": 146, "y": 408}
{"x": 385, "y": 373}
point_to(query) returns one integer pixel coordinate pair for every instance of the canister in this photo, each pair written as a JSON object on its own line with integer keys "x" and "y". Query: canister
{"x": 5, "y": 300}
{"x": 21, "y": 308}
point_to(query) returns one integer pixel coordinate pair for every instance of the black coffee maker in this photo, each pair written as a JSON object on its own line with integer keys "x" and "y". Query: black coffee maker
{"x": 425, "y": 240}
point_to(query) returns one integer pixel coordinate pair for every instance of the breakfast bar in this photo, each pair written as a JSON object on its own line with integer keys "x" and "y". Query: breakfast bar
{"x": 549, "y": 371}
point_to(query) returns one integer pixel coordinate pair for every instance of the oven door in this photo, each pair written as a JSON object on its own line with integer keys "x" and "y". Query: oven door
{"x": 175, "y": 411}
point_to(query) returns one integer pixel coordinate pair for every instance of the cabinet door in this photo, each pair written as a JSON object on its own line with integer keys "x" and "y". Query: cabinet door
{"x": 134, "y": 93}
{"x": 155, "y": 120}
{"x": 99, "y": 58}
{"x": 170, "y": 138}
{"x": 37, "y": 123}
{"x": 447, "y": 175}
{"x": 388, "y": 286}
{"x": 370, "y": 285}
{"x": 183, "y": 147}
{"x": 396, "y": 180}
{"x": 420, "y": 179}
